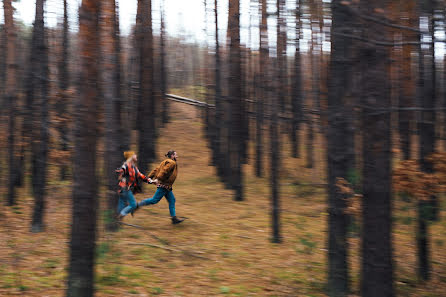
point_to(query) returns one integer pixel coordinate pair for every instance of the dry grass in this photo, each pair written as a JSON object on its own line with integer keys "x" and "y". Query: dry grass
{"x": 222, "y": 249}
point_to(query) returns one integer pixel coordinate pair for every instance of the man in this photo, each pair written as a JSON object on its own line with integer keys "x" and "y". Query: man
{"x": 164, "y": 176}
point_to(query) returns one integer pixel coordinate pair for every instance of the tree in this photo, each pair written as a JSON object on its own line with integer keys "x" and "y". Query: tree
{"x": 296, "y": 101}
{"x": 85, "y": 201}
{"x": 235, "y": 100}
{"x": 112, "y": 101}
{"x": 146, "y": 103}
{"x": 10, "y": 94}
{"x": 163, "y": 74}
{"x": 263, "y": 66}
{"x": 40, "y": 110}
{"x": 376, "y": 248}
{"x": 340, "y": 148}
{"x": 64, "y": 83}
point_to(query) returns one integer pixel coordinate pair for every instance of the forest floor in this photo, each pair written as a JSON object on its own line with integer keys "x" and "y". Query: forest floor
{"x": 223, "y": 249}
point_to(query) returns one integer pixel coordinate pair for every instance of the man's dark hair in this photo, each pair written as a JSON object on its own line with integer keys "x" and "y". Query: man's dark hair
{"x": 170, "y": 153}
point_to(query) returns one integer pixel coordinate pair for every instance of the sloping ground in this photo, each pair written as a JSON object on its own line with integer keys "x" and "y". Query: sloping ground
{"x": 222, "y": 249}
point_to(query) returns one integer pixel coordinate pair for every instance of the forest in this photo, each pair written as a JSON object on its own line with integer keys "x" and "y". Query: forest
{"x": 304, "y": 141}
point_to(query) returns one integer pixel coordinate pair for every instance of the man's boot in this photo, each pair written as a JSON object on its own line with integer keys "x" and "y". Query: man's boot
{"x": 176, "y": 220}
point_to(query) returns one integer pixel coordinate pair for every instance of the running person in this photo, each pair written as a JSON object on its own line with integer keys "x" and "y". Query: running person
{"x": 128, "y": 184}
{"x": 164, "y": 176}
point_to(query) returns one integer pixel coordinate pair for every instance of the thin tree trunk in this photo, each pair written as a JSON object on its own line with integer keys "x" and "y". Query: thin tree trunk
{"x": 85, "y": 201}
{"x": 376, "y": 249}
{"x": 112, "y": 102}
{"x": 263, "y": 66}
{"x": 340, "y": 149}
{"x": 235, "y": 97}
{"x": 427, "y": 147}
{"x": 296, "y": 101}
{"x": 41, "y": 110}
{"x": 146, "y": 102}
{"x": 64, "y": 82}
{"x": 163, "y": 74}
{"x": 10, "y": 94}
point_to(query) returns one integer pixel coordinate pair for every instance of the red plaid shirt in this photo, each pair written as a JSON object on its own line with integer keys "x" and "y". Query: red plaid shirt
{"x": 128, "y": 173}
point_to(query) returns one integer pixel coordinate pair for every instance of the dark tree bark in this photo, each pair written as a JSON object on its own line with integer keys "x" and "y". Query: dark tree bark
{"x": 85, "y": 201}
{"x": 163, "y": 74}
{"x": 235, "y": 97}
{"x": 146, "y": 99}
{"x": 281, "y": 55}
{"x": 340, "y": 149}
{"x": 10, "y": 94}
{"x": 407, "y": 83}
{"x": 376, "y": 249}
{"x": 296, "y": 101}
{"x": 217, "y": 150}
{"x": 64, "y": 83}
{"x": 263, "y": 89}
{"x": 40, "y": 151}
{"x": 112, "y": 102}
{"x": 426, "y": 128}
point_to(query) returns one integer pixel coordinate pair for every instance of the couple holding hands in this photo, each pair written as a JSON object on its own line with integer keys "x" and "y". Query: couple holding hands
{"x": 162, "y": 176}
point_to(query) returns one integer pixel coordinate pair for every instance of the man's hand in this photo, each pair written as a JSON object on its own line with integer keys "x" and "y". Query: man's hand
{"x": 149, "y": 180}
{"x": 156, "y": 182}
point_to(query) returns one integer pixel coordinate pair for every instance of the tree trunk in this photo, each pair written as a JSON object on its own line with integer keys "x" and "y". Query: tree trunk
{"x": 340, "y": 149}
{"x": 163, "y": 74}
{"x": 296, "y": 101}
{"x": 40, "y": 154}
{"x": 64, "y": 82}
{"x": 10, "y": 94}
{"x": 427, "y": 147}
{"x": 146, "y": 102}
{"x": 112, "y": 103}
{"x": 85, "y": 201}
{"x": 263, "y": 89}
{"x": 376, "y": 249}
{"x": 235, "y": 97}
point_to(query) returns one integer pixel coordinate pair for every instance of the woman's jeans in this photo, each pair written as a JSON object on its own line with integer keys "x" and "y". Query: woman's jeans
{"x": 159, "y": 194}
{"x": 126, "y": 197}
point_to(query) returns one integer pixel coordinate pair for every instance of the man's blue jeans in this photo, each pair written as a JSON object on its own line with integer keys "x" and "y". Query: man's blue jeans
{"x": 159, "y": 194}
{"x": 126, "y": 197}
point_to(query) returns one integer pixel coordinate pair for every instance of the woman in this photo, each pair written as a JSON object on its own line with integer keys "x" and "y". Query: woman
{"x": 164, "y": 176}
{"x": 128, "y": 184}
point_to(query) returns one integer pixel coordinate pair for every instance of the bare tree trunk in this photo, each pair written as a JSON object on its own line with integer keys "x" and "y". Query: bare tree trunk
{"x": 112, "y": 102}
{"x": 10, "y": 94}
{"x": 340, "y": 149}
{"x": 376, "y": 249}
{"x": 163, "y": 74}
{"x": 263, "y": 89}
{"x": 40, "y": 154}
{"x": 427, "y": 147}
{"x": 85, "y": 201}
{"x": 235, "y": 97}
{"x": 64, "y": 82}
{"x": 296, "y": 101}
{"x": 146, "y": 102}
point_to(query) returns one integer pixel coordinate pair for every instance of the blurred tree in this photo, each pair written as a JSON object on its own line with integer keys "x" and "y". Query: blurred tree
{"x": 263, "y": 85}
{"x": 85, "y": 201}
{"x": 10, "y": 94}
{"x": 146, "y": 96}
{"x": 163, "y": 73}
{"x": 340, "y": 148}
{"x": 377, "y": 268}
{"x": 40, "y": 116}
{"x": 113, "y": 102}
{"x": 64, "y": 83}
{"x": 236, "y": 101}
{"x": 296, "y": 100}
